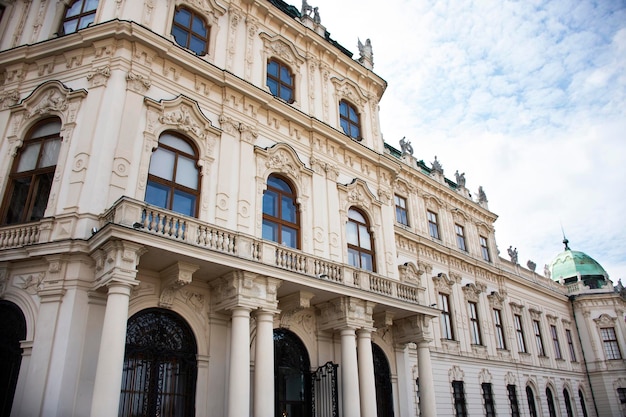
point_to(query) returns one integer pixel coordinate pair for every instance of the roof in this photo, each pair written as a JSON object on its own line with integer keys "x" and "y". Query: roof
{"x": 570, "y": 263}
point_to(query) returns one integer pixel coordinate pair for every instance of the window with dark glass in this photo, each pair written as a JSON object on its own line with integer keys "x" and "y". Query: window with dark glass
{"x": 512, "y": 394}
{"x": 446, "y": 317}
{"x": 568, "y": 403}
{"x": 12, "y": 333}
{"x": 78, "y": 15}
{"x": 32, "y": 174}
{"x": 349, "y": 120}
{"x": 433, "y": 226}
{"x": 280, "y": 80}
{"x": 555, "y": 342}
{"x": 173, "y": 176}
{"x": 474, "y": 323}
{"x": 160, "y": 366}
{"x": 530, "y": 397}
{"x": 484, "y": 248}
{"x": 360, "y": 242}
{"x": 550, "y": 400}
{"x": 190, "y": 30}
{"x": 281, "y": 220}
{"x": 611, "y": 348}
{"x": 570, "y": 343}
{"x": 490, "y": 408}
{"x": 538, "y": 338}
{"x": 292, "y": 375}
{"x": 401, "y": 212}
{"x": 460, "y": 237}
{"x": 583, "y": 406}
{"x": 458, "y": 393}
{"x": 621, "y": 395}
{"x": 497, "y": 319}
{"x": 519, "y": 331}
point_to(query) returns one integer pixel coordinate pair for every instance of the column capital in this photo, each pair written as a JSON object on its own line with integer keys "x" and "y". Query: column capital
{"x": 415, "y": 329}
{"x": 245, "y": 289}
{"x": 117, "y": 260}
{"x": 346, "y": 312}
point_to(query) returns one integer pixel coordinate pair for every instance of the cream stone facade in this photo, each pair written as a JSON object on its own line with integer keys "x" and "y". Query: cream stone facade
{"x": 146, "y": 267}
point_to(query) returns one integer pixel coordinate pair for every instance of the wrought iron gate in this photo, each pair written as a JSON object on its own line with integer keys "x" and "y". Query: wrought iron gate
{"x": 324, "y": 391}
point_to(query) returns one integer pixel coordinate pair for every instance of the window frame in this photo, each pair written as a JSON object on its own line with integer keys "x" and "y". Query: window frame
{"x": 460, "y": 237}
{"x": 280, "y": 222}
{"x": 611, "y": 346}
{"x": 350, "y": 124}
{"x": 511, "y": 390}
{"x": 34, "y": 175}
{"x": 488, "y": 399}
{"x": 358, "y": 248}
{"x": 447, "y": 329}
{"x": 583, "y": 405}
{"x": 519, "y": 332}
{"x": 433, "y": 224}
{"x": 484, "y": 248}
{"x": 82, "y": 14}
{"x": 458, "y": 397}
{"x": 402, "y": 214}
{"x": 172, "y": 185}
{"x": 550, "y": 401}
{"x": 570, "y": 343}
{"x": 621, "y": 397}
{"x": 280, "y": 83}
{"x": 555, "y": 342}
{"x": 475, "y": 334}
{"x": 189, "y": 30}
{"x": 500, "y": 333}
{"x": 530, "y": 399}
{"x": 541, "y": 351}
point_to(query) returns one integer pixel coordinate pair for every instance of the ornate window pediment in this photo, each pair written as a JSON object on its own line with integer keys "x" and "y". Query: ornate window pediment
{"x": 496, "y": 300}
{"x": 350, "y": 91}
{"x": 443, "y": 283}
{"x": 357, "y": 193}
{"x": 472, "y": 291}
{"x": 279, "y": 47}
{"x": 605, "y": 321}
{"x": 282, "y": 158}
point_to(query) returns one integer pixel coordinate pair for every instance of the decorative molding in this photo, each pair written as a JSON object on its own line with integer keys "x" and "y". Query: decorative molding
{"x": 245, "y": 289}
{"x": 137, "y": 82}
{"x": 173, "y": 279}
{"x": 456, "y": 374}
{"x": 99, "y": 76}
{"x": 472, "y": 291}
{"x": 496, "y": 299}
{"x": 413, "y": 329}
{"x": 346, "y": 312}
{"x": 281, "y": 48}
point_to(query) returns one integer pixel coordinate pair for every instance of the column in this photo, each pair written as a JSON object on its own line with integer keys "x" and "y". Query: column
{"x": 428, "y": 407}
{"x": 108, "y": 382}
{"x": 349, "y": 374}
{"x": 264, "y": 365}
{"x": 367, "y": 383}
{"x": 239, "y": 377}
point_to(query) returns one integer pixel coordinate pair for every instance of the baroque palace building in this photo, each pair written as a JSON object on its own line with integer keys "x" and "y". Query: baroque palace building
{"x": 200, "y": 217}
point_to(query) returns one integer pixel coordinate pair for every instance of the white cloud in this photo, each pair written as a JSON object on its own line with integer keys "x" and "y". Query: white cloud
{"x": 528, "y": 98}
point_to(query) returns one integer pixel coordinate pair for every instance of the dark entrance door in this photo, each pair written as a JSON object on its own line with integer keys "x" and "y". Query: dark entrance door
{"x": 12, "y": 331}
{"x": 382, "y": 375}
{"x": 292, "y": 376}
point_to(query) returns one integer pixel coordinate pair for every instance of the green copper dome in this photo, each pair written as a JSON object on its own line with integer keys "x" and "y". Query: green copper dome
{"x": 570, "y": 263}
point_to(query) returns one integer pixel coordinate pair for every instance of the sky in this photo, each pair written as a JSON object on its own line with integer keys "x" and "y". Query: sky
{"x": 526, "y": 97}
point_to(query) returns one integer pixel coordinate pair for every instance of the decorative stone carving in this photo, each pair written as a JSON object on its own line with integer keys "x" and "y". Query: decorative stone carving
{"x": 137, "y": 82}
{"x": 279, "y": 47}
{"x": 99, "y": 76}
{"x": 496, "y": 299}
{"x": 357, "y": 193}
{"x": 9, "y": 98}
{"x": 173, "y": 278}
{"x": 414, "y": 329}
{"x": 117, "y": 261}
{"x": 443, "y": 283}
{"x": 31, "y": 283}
{"x": 456, "y": 374}
{"x": 348, "y": 90}
{"x": 344, "y": 312}
{"x": 605, "y": 321}
{"x": 409, "y": 273}
{"x": 245, "y": 289}
{"x": 484, "y": 376}
{"x": 472, "y": 291}
{"x": 282, "y": 158}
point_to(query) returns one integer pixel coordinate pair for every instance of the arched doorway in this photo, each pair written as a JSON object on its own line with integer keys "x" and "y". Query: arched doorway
{"x": 12, "y": 332}
{"x": 292, "y": 375}
{"x": 160, "y": 366}
{"x": 382, "y": 376}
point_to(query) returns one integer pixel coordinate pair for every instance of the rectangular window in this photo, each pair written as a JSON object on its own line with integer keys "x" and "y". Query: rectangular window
{"x": 538, "y": 338}
{"x": 519, "y": 330}
{"x": 460, "y": 237}
{"x": 512, "y": 393}
{"x": 401, "y": 213}
{"x": 484, "y": 248}
{"x": 446, "y": 317}
{"x": 497, "y": 319}
{"x": 611, "y": 348}
{"x": 570, "y": 343}
{"x": 474, "y": 323}
{"x": 621, "y": 395}
{"x": 490, "y": 409}
{"x": 433, "y": 226}
{"x": 555, "y": 342}
{"x": 460, "y": 409}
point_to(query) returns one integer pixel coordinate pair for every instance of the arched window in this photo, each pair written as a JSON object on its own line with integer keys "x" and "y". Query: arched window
{"x": 583, "y": 406}
{"x": 280, "y": 80}
{"x": 349, "y": 120}
{"x": 568, "y": 403}
{"x": 12, "y": 332}
{"x": 382, "y": 378}
{"x": 530, "y": 397}
{"x": 78, "y": 15}
{"x": 281, "y": 220}
{"x": 191, "y": 31}
{"x": 360, "y": 242}
{"x": 173, "y": 176}
{"x": 31, "y": 177}
{"x": 292, "y": 375}
{"x": 160, "y": 367}
{"x": 550, "y": 399}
